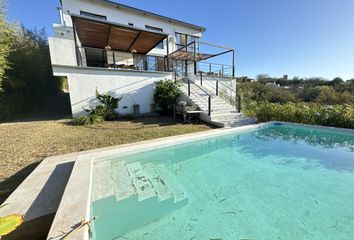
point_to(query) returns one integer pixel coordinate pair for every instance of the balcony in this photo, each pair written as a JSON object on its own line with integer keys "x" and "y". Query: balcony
{"x": 112, "y": 59}
{"x": 103, "y": 44}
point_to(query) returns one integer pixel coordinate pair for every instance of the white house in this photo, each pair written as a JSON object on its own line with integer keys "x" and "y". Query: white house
{"x": 121, "y": 50}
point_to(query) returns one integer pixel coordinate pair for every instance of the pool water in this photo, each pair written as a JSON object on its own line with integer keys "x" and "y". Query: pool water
{"x": 279, "y": 182}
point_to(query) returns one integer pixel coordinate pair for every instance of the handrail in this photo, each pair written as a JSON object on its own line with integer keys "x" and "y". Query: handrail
{"x": 200, "y": 88}
{"x": 238, "y": 96}
{"x": 189, "y": 81}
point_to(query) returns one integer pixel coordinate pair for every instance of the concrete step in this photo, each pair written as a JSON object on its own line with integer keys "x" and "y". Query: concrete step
{"x": 143, "y": 185}
{"x": 160, "y": 186}
{"x": 226, "y": 115}
{"x": 102, "y": 181}
{"x": 174, "y": 186}
{"x": 123, "y": 185}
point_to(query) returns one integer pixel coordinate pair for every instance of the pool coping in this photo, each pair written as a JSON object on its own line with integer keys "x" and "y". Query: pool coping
{"x": 75, "y": 202}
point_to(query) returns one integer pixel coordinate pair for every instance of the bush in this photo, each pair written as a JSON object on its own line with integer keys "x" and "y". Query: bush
{"x": 108, "y": 106}
{"x": 279, "y": 95}
{"x": 166, "y": 94}
{"x": 104, "y": 111}
{"x": 310, "y": 113}
{"x": 329, "y": 96}
{"x": 86, "y": 120}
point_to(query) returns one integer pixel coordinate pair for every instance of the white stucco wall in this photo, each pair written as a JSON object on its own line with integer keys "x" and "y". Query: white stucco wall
{"x": 62, "y": 51}
{"x": 123, "y": 16}
{"x": 135, "y": 87}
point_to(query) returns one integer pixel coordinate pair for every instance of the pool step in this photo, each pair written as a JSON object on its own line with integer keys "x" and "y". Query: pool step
{"x": 134, "y": 182}
{"x": 162, "y": 190}
{"x": 138, "y": 194}
{"x": 143, "y": 185}
{"x": 103, "y": 185}
{"x": 175, "y": 188}
{"x": 123, "y": 185}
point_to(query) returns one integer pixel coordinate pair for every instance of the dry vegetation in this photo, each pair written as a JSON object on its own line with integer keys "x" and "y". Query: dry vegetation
{"x": 24, "y": 145}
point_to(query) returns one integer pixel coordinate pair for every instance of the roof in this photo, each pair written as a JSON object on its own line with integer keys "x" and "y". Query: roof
{"x": 101, "y": 33}
{"x": 125, "y": 7}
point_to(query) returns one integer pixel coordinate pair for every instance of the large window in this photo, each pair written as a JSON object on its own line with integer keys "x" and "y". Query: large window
{"x": 93, "y": 15}
{"x": 183, "y": 39}
{"x": 155, "y": 29}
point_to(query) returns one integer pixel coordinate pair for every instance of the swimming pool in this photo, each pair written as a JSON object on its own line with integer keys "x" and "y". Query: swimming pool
{"x": 275, "y": 182}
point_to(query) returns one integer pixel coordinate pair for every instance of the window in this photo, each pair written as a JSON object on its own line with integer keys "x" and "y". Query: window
{"x": 183, "y": 40}
{"x": 155, "y": 29}
{"x": 92, "y": 15}
{"x": 131, "y": 24}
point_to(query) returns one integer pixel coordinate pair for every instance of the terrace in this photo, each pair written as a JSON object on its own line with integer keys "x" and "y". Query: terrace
{"x": 103, "y": 44}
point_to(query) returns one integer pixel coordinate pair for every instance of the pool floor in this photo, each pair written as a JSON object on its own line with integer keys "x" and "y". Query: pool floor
{"x": 276, "y": 183}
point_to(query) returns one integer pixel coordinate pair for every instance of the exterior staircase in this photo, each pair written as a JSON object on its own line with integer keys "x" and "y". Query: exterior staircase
{"x": 222, "y": 112}
{"x": 133, "y": 195}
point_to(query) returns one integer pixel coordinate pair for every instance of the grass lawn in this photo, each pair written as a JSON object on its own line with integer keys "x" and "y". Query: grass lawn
{"x": 24, "y": 144}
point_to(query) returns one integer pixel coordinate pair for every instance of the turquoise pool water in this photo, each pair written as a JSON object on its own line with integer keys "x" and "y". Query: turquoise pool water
{"x": 279, "y": 183}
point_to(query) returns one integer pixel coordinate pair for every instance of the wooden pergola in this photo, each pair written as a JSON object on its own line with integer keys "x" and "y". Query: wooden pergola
{"x": 98, "y": 33}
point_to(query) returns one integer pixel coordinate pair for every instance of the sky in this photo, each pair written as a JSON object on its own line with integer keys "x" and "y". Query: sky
{"x": 305, "y": 38}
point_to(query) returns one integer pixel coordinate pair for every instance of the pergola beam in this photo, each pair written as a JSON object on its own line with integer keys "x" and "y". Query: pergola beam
{"x": 131, "y": 45}
{"x": 108, "y": 34}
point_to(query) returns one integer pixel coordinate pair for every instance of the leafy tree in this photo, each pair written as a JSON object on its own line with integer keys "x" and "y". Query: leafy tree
{"x": 6, "y": 31}
{"x": 309, "y": 94}
{"x": 330, "y": 97}
{"x": 337, "y": 81}
{"x": 28, "y": 83}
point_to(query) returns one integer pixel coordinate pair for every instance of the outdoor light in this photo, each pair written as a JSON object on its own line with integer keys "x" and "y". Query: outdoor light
{"x": 133, "y": 51}
{"x": 108, "y": 48}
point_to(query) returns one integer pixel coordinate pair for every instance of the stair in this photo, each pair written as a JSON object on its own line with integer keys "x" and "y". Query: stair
{"x": 133, "y": 195}
{"x": 223, "y": 114}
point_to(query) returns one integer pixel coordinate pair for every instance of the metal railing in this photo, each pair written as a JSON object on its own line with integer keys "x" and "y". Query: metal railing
{"x": 214, "y": 69}
{"x": 190, "y": 83}
{"x": 234, "y": 100}
{"x": 102, "y": 58}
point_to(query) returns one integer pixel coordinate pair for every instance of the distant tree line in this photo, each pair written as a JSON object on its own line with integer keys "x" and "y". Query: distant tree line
{"x": 312, "y": 100}
{"x": 336, "y": 91}
{"x": 26, "y": 78}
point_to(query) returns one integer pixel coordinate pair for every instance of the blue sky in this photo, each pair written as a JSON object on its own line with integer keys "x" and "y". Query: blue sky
{"x": 296, "y": 37}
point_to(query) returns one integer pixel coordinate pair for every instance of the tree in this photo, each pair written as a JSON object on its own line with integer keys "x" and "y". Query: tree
{"x": 6, "y": 31}
{"x": 337, "y": 81}
{"x": 28, "y": 82}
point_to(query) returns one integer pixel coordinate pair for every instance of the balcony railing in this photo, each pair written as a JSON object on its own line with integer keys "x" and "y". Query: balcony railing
{"x": 215, "y": 69}
{"x": 102, "y": 58}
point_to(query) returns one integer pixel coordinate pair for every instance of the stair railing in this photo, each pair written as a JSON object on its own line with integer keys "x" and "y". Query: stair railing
{"x": 216, "y": 88}
{"x": 191, "y": 83}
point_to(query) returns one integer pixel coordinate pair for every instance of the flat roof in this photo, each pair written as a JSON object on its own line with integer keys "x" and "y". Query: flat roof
{"x": 125, "y": 7}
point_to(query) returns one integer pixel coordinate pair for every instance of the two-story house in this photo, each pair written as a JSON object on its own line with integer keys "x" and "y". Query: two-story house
{"x": 121, "y": 50}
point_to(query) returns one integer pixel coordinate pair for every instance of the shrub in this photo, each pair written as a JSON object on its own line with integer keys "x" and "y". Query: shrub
{"x": 166, "y": 94}
{"x": 279, "y": 95}
{"x": 310, "y": 113}
{"x": 104, "y": 111}
{"x": 87, "y": 120}
{"x": 329, "y": 96}
{"x": 107, "y": 107}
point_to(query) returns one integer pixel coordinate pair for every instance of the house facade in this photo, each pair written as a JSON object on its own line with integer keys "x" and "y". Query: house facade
{"x": 120, "y": 50}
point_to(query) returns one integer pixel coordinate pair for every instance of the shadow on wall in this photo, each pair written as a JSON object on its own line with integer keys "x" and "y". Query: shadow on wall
{"x": 132, "y": 93}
